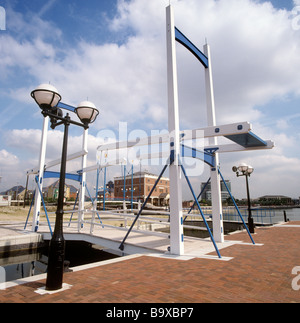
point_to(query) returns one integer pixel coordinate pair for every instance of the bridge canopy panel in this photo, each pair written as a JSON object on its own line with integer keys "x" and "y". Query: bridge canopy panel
{"x": 248, "y": 140}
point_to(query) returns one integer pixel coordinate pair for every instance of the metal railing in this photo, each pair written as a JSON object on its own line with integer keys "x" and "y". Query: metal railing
{"x": 260, "y": 215}
{"x": 144, "y": 223}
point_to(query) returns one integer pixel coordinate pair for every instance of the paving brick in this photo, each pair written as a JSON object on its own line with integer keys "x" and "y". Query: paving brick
{"x": 256, "y": 274}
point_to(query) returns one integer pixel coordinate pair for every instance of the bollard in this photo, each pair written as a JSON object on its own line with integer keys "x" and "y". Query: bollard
{"x": 285, "y": 217}
{"x": 66, "y": 267}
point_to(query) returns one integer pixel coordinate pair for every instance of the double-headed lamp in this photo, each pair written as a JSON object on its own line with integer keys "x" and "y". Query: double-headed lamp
{"x": 244, "y": 169}
{"x": 47, "y": 98}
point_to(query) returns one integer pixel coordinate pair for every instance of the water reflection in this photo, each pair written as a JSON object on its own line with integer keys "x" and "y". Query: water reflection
{"x": 23, "y": 264}
{"x": 20, "y": 264}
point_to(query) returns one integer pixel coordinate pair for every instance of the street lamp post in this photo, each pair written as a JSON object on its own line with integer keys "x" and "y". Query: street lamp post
{"x": 47, "y": 97}
{"x": 245, "y": 170}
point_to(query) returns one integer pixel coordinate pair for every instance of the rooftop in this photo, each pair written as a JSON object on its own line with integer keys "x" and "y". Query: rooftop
{"x": 142, "y": 175}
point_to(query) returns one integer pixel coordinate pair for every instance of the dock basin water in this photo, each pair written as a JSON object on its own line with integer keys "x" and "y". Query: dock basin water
{"x": 21, "y": 264}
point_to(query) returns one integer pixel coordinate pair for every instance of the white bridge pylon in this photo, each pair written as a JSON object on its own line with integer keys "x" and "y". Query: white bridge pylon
{"x": 240, "y": 134}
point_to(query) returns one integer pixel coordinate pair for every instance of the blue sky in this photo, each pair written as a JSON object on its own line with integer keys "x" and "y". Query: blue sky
{"x": 113, "y": 53}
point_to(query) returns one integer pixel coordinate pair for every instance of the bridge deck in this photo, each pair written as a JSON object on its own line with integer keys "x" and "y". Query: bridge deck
{"x": 141, "y": 242}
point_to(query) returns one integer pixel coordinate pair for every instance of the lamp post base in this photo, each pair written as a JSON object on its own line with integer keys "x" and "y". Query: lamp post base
{"x": 251, "y": 225}
{"x": 56, "y": 265}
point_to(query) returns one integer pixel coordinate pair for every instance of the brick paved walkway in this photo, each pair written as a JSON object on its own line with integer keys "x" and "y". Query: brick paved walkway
{"x": 256, "y": 274}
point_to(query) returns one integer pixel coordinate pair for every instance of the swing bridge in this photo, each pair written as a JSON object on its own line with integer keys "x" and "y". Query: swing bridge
{"x": 134, "y": 236}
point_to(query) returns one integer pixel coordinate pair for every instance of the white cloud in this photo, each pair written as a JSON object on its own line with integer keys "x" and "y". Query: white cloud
{"x": 9, "y": 169}
{"x": 248, "y": 41}
{"x": 282, "y": 124}
{"x": 46, "y": 7}
{"x": 31, "y": 25}
{"x": 118, "y": 79}
{"x": 7, "y": 159}
{"x": 27, "y": 140}
{"x": 255, "y": 58}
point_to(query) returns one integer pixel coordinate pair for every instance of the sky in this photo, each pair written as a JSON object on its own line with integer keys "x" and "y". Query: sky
{"x": 113, "y": 53}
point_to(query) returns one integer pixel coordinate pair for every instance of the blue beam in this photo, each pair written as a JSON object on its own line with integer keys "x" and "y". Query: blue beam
{"x": 73, "y": 177}
{"x": 66, "y": 107}
{"x": 208, "y": 158}
{"x": 183, "y": 40}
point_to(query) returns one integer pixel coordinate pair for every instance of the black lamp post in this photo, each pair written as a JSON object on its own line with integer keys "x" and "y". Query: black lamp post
{"x": 47, "y": 97}
{"x": 245, "y": 170}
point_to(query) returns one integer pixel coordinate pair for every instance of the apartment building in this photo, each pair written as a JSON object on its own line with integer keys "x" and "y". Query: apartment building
{"x": 139, "y": 185}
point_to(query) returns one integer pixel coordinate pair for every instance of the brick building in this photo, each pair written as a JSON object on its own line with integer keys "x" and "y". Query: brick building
{"x": 142, "y": 183}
